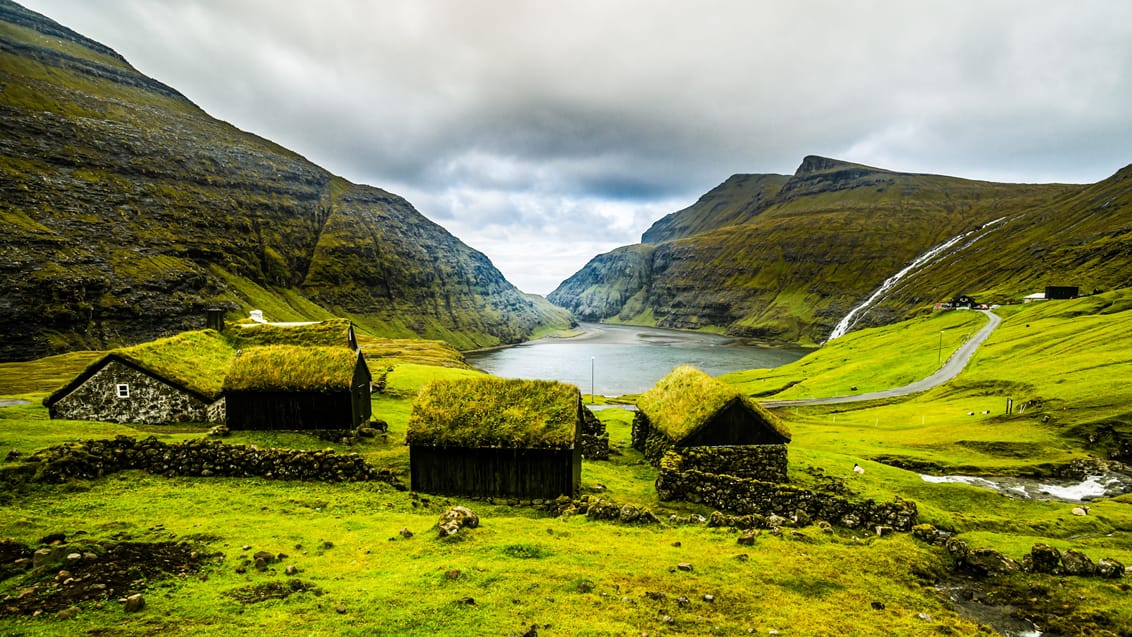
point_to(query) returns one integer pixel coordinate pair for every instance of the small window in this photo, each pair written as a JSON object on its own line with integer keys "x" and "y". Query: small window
{"x": 123, "y": 390}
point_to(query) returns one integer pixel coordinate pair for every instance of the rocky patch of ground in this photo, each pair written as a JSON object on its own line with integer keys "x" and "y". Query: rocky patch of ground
{"x": 58, "y": 574}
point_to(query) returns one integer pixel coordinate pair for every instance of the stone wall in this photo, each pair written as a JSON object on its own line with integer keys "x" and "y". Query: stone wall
{"x": 94, "y": 458}
{"x": 759, "y": 462}
{"x": 150, "y": 401}
{"x": 594, "y": 439}
{"x": 747, "y": 496}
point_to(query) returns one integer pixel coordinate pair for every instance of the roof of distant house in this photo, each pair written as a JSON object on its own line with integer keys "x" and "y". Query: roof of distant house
{"x": 291, "y": 368}
{"x": 495, "y": 412}
{"x": 194, "y": 361}
{"x": 686, "y": 399}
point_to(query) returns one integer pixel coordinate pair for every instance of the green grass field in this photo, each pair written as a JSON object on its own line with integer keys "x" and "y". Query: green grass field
{"x": 358, "y": 575}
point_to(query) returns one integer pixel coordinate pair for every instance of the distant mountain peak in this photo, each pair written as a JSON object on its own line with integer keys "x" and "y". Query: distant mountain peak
{"x": 816, "y": 164}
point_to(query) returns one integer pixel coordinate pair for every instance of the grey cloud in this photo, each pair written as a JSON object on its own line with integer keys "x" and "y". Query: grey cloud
{"x": 511, "y": 120}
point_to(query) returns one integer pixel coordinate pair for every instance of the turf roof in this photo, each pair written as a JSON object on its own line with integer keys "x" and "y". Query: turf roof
{"x": 196, "y": 361}
{"x": 328, "y": 333}
{"x": 686, "y": 399}
{"x": 495, "y": 412}
{"x": 292, "y": 368}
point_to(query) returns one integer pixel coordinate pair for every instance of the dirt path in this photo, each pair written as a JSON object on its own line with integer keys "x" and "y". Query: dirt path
{"x": 949, "y": 370}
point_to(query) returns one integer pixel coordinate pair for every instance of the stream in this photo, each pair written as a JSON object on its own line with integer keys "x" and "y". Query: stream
{"x": 1093, "y": 487}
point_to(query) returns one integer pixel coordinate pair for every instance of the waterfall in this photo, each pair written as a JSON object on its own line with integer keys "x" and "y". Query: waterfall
{"x": 847, "y": 322}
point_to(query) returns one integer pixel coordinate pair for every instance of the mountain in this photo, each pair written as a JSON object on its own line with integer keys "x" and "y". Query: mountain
{"x": 127, "y": 211}
{"x": 786, "y": 257}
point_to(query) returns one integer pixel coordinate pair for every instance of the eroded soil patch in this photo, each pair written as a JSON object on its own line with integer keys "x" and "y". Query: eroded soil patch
{"x": 62, "y": 575}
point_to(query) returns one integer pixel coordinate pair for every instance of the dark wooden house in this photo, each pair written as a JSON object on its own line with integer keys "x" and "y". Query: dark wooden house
{"x": 297, "y": 387}
{"x": 170, "y": 380}
{"x": 688, "y": 408}
{"x": 1061, "y": 292}
{"x": 493, "y": 437}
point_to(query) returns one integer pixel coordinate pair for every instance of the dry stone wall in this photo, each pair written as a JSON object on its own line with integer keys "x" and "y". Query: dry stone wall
{"x": 94, "y": 458}
{"x": 594, "y": 439}
{"x": 746, "y": 496}
{"x": 758, "y": 462}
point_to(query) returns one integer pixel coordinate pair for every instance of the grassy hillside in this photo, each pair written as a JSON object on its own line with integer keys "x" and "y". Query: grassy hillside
{"x": 357, "y": 573}
{"x": 128, "y": 211}
{"x": 789, "y": 266}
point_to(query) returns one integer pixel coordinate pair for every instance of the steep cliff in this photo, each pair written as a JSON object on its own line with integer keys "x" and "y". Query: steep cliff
{"x": 802, "y": 251}
{"x": 127, "y": 211}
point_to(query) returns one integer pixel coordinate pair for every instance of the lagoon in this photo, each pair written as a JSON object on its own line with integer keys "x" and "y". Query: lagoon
{"x": 622, "y": 359}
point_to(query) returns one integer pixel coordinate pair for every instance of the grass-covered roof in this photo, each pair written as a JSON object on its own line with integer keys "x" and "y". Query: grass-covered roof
{"x": 197, "y": 361}
{"x": 495, "y": 412}
{"x": 687, "y": 398}
{"x": 328, "y": 333}
{"x": 292, "y": 368}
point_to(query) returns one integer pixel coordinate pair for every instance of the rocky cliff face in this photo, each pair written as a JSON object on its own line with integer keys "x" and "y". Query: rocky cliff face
{"x": 127, "y": 211}
{"x": 784, "y": 258}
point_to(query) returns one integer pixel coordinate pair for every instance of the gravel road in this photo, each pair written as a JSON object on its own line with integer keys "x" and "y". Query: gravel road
{"x": 949, "y": 370}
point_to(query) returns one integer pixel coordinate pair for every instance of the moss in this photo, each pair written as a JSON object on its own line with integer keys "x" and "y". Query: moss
{"x": 685, "y": 399}
{"x": 198, "y": 360}
{"x": 495, "y": 412}
{"x": 292, "y": 368}
{"x": 329, "y": 333}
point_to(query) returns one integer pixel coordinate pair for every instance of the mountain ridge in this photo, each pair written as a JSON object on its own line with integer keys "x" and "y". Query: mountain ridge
{"x": 128, "y": 211}
{"x": 788, "y": 265}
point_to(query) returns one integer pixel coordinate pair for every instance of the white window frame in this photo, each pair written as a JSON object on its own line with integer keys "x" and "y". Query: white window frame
{"x": 123, "y": 390}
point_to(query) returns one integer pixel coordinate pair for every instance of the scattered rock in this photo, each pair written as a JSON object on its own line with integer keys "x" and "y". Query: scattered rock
{"x": 1044, "y": 558}
{"x": 684, "y": 566}
{"x": 1077, "y": 563}
{"x": 991, "y": 562}
{"x": 877, "y": 605}
{"x": 134, "y": 603}
{"x": 1110, "y": 568}
{"x": 455, "y": 519}
{"x": 747, "y": 538}
{"x": 709, "y": 598}
{"x": 405, "y": 533}
{"x": 291, "y": 570}
{"x": 68, "y": 613}
{"x": 452, "y": 574}
{"x": 467, "y": 601}
{"x": 341, "y": 610}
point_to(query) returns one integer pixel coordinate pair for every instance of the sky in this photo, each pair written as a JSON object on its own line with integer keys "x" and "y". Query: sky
{"x": 545, "y": 132}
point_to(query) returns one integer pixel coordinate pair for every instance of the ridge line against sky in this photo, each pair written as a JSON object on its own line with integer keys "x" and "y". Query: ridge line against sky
{"x": 543, "y": 133}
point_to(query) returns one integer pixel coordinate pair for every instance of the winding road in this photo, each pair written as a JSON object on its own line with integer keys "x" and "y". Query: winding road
{"x": 949, "y": 370}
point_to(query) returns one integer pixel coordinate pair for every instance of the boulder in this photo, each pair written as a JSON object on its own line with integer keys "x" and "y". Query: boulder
{"x": 1077, "y": 563}
{"x": 455, "y": 519}
{"x": 1110, "y": 568}
{"x": 1045, "y": 559}
{"x": 990, "y": 562}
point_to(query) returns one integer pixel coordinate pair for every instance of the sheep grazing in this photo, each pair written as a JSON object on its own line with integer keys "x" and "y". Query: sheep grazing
{"x": 1081, "y": 510}
{"x": 858, "y": 469}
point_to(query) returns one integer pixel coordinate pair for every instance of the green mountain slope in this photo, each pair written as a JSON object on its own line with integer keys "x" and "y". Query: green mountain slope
{"x": 788, "y": 264}
{"x": 127, "y": 211}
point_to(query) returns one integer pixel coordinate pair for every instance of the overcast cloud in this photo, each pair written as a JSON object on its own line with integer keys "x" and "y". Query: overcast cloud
{"x": 545, "y": 132}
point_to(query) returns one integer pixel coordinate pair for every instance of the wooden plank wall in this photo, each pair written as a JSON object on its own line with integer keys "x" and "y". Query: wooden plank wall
{"x": 518, "y": 473}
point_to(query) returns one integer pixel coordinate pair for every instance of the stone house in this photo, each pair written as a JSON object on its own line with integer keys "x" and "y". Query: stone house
{"x": 321, "y": 382}
{"x": 495, "y": 437}
{"x": 170, "y": 380}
